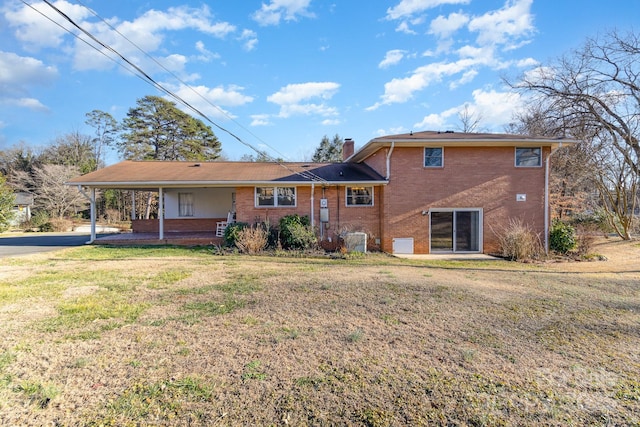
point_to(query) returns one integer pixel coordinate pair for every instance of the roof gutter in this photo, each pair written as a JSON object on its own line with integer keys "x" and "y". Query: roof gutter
{"x": 393, "y": 144}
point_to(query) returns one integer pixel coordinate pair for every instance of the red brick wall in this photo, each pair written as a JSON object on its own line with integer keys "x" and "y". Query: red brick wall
{"x": 175, "y": 225}
{"x": 341, "y": 217}
{"x": 483, "y": 177}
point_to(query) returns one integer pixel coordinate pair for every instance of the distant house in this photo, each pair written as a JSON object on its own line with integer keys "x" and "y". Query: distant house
{"x": 422, "y": 192}
{"x": 22, "y": 208}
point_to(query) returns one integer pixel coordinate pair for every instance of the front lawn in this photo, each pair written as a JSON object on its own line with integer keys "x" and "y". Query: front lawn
{"x": 167, "y": 336}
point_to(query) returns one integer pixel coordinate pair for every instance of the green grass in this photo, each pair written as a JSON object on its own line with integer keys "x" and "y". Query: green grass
{"x": 162, "y": 400}
{"x": 373, "y": 341}
{"x": 214, "y": 308}
{"x": 37, "y": 393}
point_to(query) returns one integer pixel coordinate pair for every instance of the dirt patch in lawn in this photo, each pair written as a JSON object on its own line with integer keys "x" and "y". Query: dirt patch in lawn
{"x": 197, "y": 339}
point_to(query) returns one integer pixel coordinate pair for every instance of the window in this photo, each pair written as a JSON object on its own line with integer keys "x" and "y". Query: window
{"x": 359, "y": 196}
{"x": 275, "y": 196}
{"x": 528, "y": 157}
{"x": 185, "y": 204}
{"x": 433, "y": 157}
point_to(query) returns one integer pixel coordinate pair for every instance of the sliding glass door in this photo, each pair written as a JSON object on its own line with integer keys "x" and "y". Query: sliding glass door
{"x": 455, "y": 230}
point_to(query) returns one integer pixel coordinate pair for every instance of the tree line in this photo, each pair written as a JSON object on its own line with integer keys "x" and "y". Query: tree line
{"x": 155, "y": 129}
{"x": 591, "y": 94}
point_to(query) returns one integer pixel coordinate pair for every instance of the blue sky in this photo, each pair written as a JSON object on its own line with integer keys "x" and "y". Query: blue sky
{"x": 281, "y": 74}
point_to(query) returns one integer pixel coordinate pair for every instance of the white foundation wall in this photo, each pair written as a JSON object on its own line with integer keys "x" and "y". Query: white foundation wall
{"x": 207, "y": 202}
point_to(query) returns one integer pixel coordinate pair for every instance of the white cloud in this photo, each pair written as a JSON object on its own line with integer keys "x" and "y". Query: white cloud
{"x": 432, "y": 122}
{"x": 205, "y": 54}
{"x": 211, "y": 100}
{"x": 295, "y": 93}
{"x": 28, "y": 103}
{"x": 295, "y": 99}
{"x": 401, "y": 90}
{"x": 407, "y": 8}
{"x": 277, "y": 10}
{"x": 494, "y": 110}
{"x": 331, "y": 122}
{"x": 36, "y": 31}
{"x": 134, "y": 39}
{"x": 496, "y": 31}
{"x": 17, "y": 74}
{"x": 250, "y": 39}
{"x": 260, "y": 120}
{"x": 391, "y": 58}
{"x": 444, "y": 27}
{"x": 506, "y": 25}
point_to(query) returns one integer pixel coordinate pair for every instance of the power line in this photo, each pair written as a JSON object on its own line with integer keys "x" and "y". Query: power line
{"x": 94, "y": 13}
{"x": 139, "y": 72}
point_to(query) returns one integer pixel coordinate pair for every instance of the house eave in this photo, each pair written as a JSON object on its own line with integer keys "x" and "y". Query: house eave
{"x": 126, "y": 185}
{"x": 374, "y": 145}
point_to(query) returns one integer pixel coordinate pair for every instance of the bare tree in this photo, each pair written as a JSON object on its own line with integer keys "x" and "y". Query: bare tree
{"x": 469, "y": 120}
{"x": 593, "y": 94}
{"x": 51, "y": 193}
{"x": 106, "y": 133}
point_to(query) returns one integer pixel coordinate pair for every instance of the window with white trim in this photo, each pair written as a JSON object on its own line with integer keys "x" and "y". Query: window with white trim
{"x": 528, "y": 157}
{"x": 185, "y": 204}
{"x": 433, "y": 157}
{"x": 275, "y": 196}
{"x": 359, "y": 196}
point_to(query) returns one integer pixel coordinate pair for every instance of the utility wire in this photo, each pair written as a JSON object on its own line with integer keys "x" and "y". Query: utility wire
{"x": 94, "y": 13}
{"x": 147, "y": 78}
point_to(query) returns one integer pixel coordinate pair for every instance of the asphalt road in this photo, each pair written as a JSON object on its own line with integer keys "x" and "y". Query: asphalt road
{"x": 32, "y": 243}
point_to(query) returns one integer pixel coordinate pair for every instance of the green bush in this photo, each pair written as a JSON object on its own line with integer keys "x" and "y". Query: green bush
{"x": 296, "y": 232}
{"x": 562, "y": 237}
{"x": 232, "y": 232}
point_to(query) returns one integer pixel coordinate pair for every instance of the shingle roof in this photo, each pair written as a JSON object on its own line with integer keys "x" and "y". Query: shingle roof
{"x": 450, "y": 138}
{"x": 137, "y": 174}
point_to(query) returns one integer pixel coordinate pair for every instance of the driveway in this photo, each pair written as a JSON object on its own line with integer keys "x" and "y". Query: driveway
{"x": 32, "y": 243}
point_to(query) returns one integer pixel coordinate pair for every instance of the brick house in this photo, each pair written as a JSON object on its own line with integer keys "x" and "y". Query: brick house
{"x": 422, "y": 192}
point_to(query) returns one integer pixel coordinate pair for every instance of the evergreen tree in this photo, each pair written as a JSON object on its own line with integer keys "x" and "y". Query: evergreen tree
{"x": 7, "y": 201}
{"x": 329, "y": 151}
{"x": 157, "y": 130}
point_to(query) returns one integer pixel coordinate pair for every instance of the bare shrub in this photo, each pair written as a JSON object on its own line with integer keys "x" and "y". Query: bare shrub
{"x": 57, "y": 224}
{"x": 252, "y": 240}
{"x": 112, "y": 216}
{"x": 585, "y": 236}
{"x": 518, "y": 242}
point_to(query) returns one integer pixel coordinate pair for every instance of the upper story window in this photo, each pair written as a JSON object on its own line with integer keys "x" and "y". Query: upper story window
{"x": 359, "y": 196}
{"x": 185, "y": 204}
{"x": 275, "y": 196}
{"x": 528, "y": 157}
{"x": 433, "y": 157}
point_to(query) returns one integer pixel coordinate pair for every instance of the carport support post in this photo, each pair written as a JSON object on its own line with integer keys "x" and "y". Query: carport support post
{"x": 133, "y": 205}
{"x": 160, "y": 214}
{"x": 92, "y": 201}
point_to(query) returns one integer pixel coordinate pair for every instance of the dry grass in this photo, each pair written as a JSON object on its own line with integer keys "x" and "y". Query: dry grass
{"x": 98, "y": 336}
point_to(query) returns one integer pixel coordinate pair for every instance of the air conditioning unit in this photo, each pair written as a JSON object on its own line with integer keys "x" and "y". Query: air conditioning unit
{"x": 355, "y": 242}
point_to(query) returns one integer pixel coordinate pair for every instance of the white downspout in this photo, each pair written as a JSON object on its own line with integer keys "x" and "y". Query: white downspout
{"x": 389, "y": 160}
{"x": 313, "y": 222}
{"x": 92, "y": 204}
{"x": 546, "y": 198}
{"x": 160, "y": 214}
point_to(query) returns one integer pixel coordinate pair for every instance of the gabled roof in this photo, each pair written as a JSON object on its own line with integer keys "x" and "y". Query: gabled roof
{"x": 153, "y": 174}
{"x": 23, "y": 199}
{"x": 455, "y": 139}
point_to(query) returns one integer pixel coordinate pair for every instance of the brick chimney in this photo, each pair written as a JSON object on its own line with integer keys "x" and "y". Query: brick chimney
{"x": 347, "y": 148}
